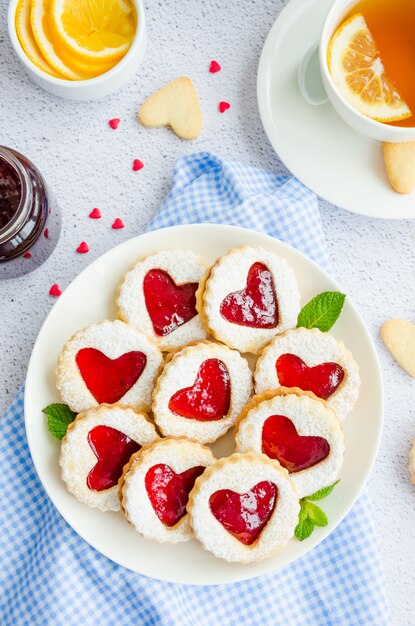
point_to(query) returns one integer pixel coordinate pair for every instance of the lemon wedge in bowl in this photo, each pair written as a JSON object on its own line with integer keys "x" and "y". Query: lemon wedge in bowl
{"x": 94, "y": 31}
{"x": 357, "y": 70}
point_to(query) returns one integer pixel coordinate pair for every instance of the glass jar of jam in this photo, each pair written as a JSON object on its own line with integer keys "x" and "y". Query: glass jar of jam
{"x": 30, "y": 222}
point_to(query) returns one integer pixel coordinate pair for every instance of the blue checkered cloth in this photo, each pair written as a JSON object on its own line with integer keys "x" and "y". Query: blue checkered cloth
{"x": 49, "y": 575}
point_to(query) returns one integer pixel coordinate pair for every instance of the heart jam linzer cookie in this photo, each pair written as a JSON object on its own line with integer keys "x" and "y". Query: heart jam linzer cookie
{"x": 107, "y": 363}
{"x": 247, "y": 297}
{"x": 158, "y": 295}
{"x": 201, "y": 391}
{"x": 313, "y": 361}
{"x": 155, "y": 487}
{"x": 244, "y": 508}
{"x": 175, "y": 105}
{"x": 95, "y": 449}
{"x": 298, "y": 430}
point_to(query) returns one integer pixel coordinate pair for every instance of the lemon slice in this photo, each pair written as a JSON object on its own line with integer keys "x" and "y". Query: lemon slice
{"x": 357, "y": 70}
{"x": 27, "y": 40}
{"x": 94, "y": 30}
{"x": 44, "y": 38}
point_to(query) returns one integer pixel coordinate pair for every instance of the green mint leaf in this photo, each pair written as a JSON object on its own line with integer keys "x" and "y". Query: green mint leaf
{"x": 322, "y": 311}
{"x": 59, "y": 416}
{"x": 317, "y": 515}
{"x": 323, "y": 493}
{"x": 304, "y": 529}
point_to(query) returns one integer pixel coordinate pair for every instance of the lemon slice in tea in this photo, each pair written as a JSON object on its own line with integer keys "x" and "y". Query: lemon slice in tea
{"x": 358, "y": 73}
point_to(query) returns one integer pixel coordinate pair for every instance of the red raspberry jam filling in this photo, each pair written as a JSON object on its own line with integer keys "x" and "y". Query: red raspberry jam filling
{"x": 245, "y": 515}
{"x": 169, "y": 305}
{"x": 210, "y": 396}
{"x": 113, "y": 450}
{"x": 322, "y": 380}
{"x": 109, "y": 379}
{"x": 169, "y": 492}
{"x": 281, "y": 441}
{"x": 255, "y": 306}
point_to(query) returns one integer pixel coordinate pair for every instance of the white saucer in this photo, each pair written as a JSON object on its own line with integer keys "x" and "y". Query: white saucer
{"x": 91, "y": 298}
{"x": 340, "y": 165}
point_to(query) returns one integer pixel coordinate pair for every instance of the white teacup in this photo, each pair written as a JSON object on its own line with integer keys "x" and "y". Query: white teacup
{"x": 359, "y": 122}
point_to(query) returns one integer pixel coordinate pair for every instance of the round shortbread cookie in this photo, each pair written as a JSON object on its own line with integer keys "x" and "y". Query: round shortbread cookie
{"x": 108, "y": 362}
{"x": 155, "y": 486}
{"x": 158, "y": 296}
{"x": 201, "y": 391}
{"x": 247, "y": 297}
{"x": 244, "y": 508}
{"x": 297, "y": 429}
{"x": 288, "y": 359}
{"x": 96, "y": 447}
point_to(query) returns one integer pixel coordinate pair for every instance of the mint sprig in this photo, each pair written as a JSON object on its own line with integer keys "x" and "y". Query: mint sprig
{"x": 322, "y": 311}
{"x": 310, "y": 514}
{"x": 59, "y": 417}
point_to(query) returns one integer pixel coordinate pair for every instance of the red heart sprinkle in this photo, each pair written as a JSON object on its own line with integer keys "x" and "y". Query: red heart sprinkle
{"x": 114, "y": 123}
{"x": 245, "y": 515}
{"x": 137, "y": 165}
{"x": 27, "y": 255}
{"x": 214, "y": 67}
{"x": 46, "y": 233}
{"x": 95, "y": 214}
{"x": 224, "y": 106}
{"x": 55, "y": 290}
{"x": 83, "y": 247}
{"x": 118, "y": 223}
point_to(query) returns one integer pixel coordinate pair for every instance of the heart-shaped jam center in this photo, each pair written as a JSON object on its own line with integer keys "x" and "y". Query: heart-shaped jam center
{"x": 245, "y": 515}
{"x": 209, "y": 397}
{"x": 255, "y": 306}
{"x": 113, "y": 450}
{"x": 322, "y": 380}
{"x": 169, "y": 492}
{"x": 169, "y": 305}
{"x": 109, "y": 379}
{"x": 281, "y": 441}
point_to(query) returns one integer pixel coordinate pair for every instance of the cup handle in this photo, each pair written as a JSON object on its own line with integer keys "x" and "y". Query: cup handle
{"x": 309, "y": 77}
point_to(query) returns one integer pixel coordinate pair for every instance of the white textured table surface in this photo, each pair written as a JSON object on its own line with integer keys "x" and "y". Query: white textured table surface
{"x": 89, "y": 165}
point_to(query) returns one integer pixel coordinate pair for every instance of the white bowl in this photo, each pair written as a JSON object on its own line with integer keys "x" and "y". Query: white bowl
{"x": 92, "y": 88}
{"x": 359, "y": 122}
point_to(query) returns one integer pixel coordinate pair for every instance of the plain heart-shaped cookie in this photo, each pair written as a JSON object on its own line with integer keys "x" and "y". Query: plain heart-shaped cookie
{"x": 169, "y": 492}
{"x": 175, "y": 105}
{"x": 323, "y": 379}
{"x": 399, "y": 338}
{"x": 169, "y": 305}
{"x": 255, "y": 306}
{"x": 209, "y": 397}
{"x": 245, "y": 515}
{"x": 109, "y": 379}
{"x": 113, "y": 449}
{"x": 281, "y": 441}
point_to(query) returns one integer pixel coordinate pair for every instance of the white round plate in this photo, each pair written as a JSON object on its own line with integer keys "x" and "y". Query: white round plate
{"x": 330, "y": 158}
{"x": 91, "y": 298}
